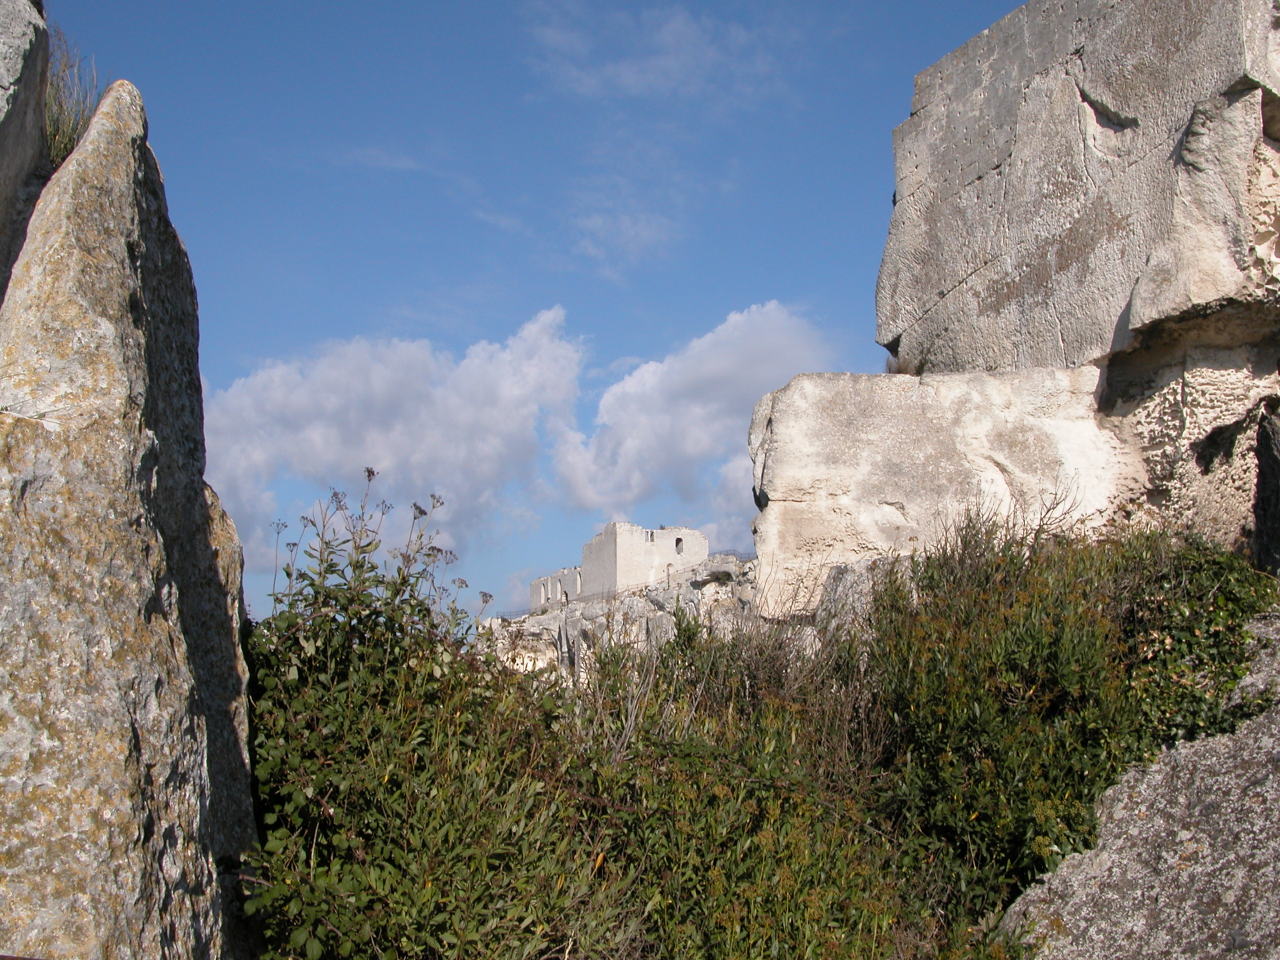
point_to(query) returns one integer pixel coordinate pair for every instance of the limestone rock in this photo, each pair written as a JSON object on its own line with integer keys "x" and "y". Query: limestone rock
{"x": 849, "y": 467}
{"x": 1187, "y": 863}
{"x": 24, "y": 58}
{"x": 123, "y": 770}
{"x": 1081, "y": 171}
{"x": 1190, "y": 402}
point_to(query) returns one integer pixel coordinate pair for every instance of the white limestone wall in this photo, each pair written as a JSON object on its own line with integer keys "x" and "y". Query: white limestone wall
{"x": 654, "y": 556}
{"x": 560, "y": 587}
{"x": 600, "y": 562}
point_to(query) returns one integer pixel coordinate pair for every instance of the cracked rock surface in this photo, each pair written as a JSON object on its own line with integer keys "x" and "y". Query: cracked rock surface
{"x": 1078, "y": 171}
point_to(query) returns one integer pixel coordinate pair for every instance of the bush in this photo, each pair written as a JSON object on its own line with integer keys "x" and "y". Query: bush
{"x": 1023, "y": 672}
{"x": 881, "y": 791}
{"x": 404, "y": 782}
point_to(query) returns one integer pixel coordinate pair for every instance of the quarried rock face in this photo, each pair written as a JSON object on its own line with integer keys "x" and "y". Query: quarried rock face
{"x": 124, "y": 785}
{"x": 850, "y": 467}
{"x": 1079, "y": 172}
{"x": 1087, "y": 186}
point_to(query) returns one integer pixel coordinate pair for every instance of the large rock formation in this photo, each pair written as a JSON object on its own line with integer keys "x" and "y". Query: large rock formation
{"x": 849, "y": 467}
{"x": 123, "y": 769}
{"x": 1079, "y": 172}
{"x": 1089, "y": 186}
{"x": 24, "y": 60}
{"x": 1088, "y": 202}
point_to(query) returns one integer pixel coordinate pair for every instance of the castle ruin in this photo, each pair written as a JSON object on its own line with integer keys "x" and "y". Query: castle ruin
{"x": 622, "y": 556}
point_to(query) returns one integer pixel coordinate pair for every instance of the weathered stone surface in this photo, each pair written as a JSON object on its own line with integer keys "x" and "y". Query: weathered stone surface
{"x": 123, "y": 771}
{"x": 1190, "y": 401}
{"x": 1266, "y": 507}
{"x": 1079, "y": 172}
{"x": 24, "y": 59}
{"x": 849, "y": 467}
{"x": 1187, "y": 863}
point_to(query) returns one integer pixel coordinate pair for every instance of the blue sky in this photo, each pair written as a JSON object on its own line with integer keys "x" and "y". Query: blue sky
{"x": 539, "y": 258}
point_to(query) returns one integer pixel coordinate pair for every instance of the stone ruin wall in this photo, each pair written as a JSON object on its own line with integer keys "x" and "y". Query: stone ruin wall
{"x": 622, "y": 556}
{"x": 1088, "y": 186}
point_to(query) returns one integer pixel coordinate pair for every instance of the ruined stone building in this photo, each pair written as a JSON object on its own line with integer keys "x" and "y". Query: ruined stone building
{"x": 622, "y": 556}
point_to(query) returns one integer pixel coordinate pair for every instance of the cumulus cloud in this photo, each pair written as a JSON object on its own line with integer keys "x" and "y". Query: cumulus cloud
{"x": 680, "y": 423}
{"x": 464, "y": 427}
{"x": 494, "y": 430}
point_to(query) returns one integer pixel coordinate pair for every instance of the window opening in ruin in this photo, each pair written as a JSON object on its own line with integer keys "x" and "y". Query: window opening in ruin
{"x": 578, "y": 588}
{"x": 648, "y": 536}
{"x": 679, "y": 544}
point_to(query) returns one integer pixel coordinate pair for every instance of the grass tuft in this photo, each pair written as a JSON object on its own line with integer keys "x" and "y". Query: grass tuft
{"x": 70, "y": 99}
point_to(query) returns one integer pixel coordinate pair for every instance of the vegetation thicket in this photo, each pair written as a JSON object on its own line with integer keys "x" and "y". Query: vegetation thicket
{"x": 885, "y": 792}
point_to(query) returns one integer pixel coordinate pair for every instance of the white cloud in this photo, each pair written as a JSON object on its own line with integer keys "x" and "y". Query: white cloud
{"x": 663, "y": 52}
{"x": 669, "y": 423}
{"x": 480, "y": 429}
{"x": 466, "y": 428}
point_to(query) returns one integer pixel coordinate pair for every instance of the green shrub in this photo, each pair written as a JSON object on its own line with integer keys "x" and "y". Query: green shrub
{"x": 881, "y": 790}
{"x": 405, "y": 783}
{"x": 1023, "y": 672}
{"x": 70, "y": 98}
{"x": 738, "y": 850}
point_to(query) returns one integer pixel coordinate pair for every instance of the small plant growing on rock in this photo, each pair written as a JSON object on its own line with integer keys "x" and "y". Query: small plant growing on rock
{"x": 70, "y": 99}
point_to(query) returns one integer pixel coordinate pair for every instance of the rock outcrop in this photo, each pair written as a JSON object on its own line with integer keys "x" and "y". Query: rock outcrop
{"x": 849, "y": 467}
{"x": 1187, "y": 862}
{"x": 1081, "y": 276}
{"x": 24, "y": 62}
{"x": 1091, "y": 187}
{"x": 124, "y": 781}
{"x": 1080, "y": 172}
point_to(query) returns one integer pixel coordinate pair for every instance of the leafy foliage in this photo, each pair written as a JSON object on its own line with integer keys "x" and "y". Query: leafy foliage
{"x": 1023, "y": 672}
{"x": 881, "y": 788}
{"x": 403, "y": 780}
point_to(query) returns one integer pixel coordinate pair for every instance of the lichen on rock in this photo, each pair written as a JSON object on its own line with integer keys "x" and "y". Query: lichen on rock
{"x": 124, "y": 781}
